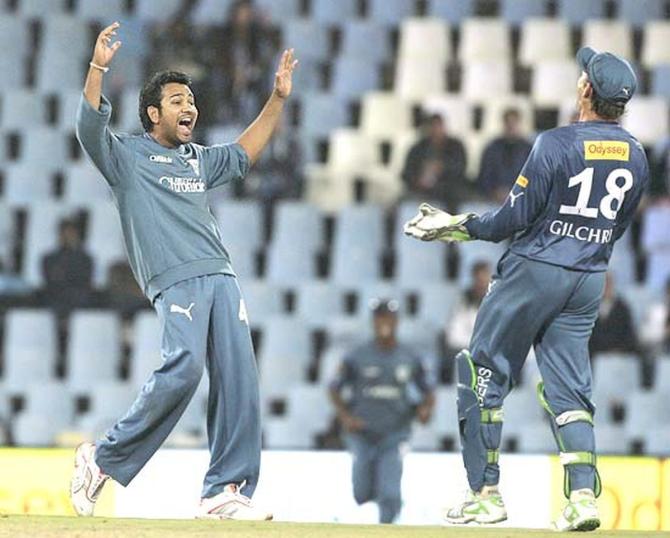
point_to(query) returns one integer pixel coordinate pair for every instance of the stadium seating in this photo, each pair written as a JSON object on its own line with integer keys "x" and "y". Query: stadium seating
{"x": 542, "y": 40}
{"x": 578, "y": 11}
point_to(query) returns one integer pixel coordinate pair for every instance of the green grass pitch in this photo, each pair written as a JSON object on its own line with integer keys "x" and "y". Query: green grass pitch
{"x": 52, "y": 527}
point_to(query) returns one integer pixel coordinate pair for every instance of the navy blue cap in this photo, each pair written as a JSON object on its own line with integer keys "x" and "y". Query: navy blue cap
{"x": 612, "y": 77}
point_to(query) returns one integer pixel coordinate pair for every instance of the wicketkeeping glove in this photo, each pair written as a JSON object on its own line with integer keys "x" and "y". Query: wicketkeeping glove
{"x": 432, "y": 223}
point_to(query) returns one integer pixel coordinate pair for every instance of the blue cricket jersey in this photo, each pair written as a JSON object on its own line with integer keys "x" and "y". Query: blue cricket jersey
{"x": 576, "y": 195}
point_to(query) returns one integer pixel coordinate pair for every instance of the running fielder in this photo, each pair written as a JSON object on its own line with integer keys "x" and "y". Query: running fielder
{"x": 160, "y": 181}
{"x": 575, "y": 196}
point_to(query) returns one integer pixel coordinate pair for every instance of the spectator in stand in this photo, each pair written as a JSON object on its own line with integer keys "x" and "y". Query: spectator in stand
{"x": 655, "y": 330}
{"x": 614, "y": 330}
{"x": 503, "y": 158}
{"x": 435, "y": 166}
{"x": 68, "y": 272}
{"x": 660, "y": 169}
{"x": 656, "y": 242}
{"x": 462, "y": 321}
{"x": 240, "y": 55}
{"x": 277, "y": 174}
{"x": 123, "y": 293}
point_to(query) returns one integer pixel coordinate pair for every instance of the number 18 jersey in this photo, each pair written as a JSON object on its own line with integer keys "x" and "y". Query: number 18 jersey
{"x": 575, "y": 196}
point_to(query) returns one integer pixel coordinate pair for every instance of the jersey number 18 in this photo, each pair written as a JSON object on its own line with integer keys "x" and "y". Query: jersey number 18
{"x": 608, "y": 207}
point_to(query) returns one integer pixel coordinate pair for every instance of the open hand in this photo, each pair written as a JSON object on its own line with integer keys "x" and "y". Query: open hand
{"x": 103, "y": 51}
{"x": 284, "y": 74}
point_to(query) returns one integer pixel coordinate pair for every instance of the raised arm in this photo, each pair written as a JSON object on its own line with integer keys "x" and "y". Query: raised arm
{"x": 257, "y": 135}
{"x": 102, "y": 56}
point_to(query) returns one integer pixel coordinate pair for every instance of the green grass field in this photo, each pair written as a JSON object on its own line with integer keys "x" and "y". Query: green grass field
{"x": 52, "y": 527}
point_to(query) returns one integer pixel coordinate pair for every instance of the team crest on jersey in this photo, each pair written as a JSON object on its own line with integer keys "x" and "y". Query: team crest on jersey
{"x": 195, "y": 164}
{"x": 402, "y": 373}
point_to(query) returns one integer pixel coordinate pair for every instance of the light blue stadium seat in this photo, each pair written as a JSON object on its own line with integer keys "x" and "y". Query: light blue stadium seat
{"x": 297, "y": 222}
{"x": 286, "y": 433}
{"x": 29, "y": 348}
{"x": 145, "y": 354}
{"x": 445, "y": 415}
{"x": 26, "y": 183}
{"x": 126, "y": 117}
{"x": 476, "y": 251}
{"x": 277, "y": 10}
{"x": 424, "y": 437}
{"x": 516, "y": 11}
{"x": 14, "y": 36}
{"x": 94, "y": 349}
{"x": 389, "y": 12}
{"x": 436, "y": 302}
{"x": 41, "y": 8}
{"x": 622, "y": 262}
{"x": 22, "y": 108}
{"x": 263, "y": 300}
{"x": 101, "y": 11}
{"x": 33, "y": 429}
{"x": 353, "y": 76}
{"x": 660, "y": 81}
{"x": 321, "y": 113}
{"x": 45, "y": 147}
{"x": 578, "y": 11}
{"x": 638, "y": 299}
{"x": 536, "y": 438}
{"x": 639, "y": 12}
{"x": 365, "y": 39}
{"x": 308, "y": 37}
{"x": 57, "y": 70}
{"x": 243, "y": 258}
{"x": 642, "y": 412}
{"x": 310, "y": 406}
{"x": 615, "y": 376}
{"x": 7, "y": 234}
{"x": 68, "y": 103}
{"x": 355, "y": 265}
{"x": 240, "y": 220}
{"x": 306, "y": 78}
{"x": 360, "y": 226}
{"x": 419, "y": 263}
{"x": 330, "y": 362}
{"x": 104, "y": 239}
{"x": 611, "y": 439}
{"x": 284, "y": 356}
{"x": 152, "y": 11}
{"x": 662, "y": 374}
{"x": 13, "y": 68}
{"x": 657, "y": 442}
{"x": 53, "y": 400}
{"x": 108, "y": 402}
{"x": 289, "y": 265}
{"x": 349, "y": 331}
{"x": 209, "y": 12}
{"x": 65, "y": 34}
{"x": 522, "y": 407}
{"x": 418, "y": 335}
{"x": 329, "y": 12}
{"x": 454, "y": 12}
{"x": 318, "y": 302}
{"x": 84, "y": 185}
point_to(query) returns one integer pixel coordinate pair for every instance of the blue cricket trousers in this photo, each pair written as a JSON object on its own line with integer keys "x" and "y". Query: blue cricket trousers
{"x": 552, "y": 309}
{"x": 203, "y": 322}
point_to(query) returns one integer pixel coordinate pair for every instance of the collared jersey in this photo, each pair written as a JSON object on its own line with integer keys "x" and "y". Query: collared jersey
{"x": 575, "y": 196}
{"x": 161, "y": 194}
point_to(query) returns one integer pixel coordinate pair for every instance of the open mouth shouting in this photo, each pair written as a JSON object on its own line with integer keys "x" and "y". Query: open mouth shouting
{"x": 185, "y": 126}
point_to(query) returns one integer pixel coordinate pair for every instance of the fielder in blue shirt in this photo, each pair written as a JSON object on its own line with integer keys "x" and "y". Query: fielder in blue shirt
{"x": 574, "y": 198}
{"x": 388, "y": 388}
{"x": 160, "y": 181}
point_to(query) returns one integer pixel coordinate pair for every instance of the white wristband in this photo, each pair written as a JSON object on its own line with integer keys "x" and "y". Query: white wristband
{"x": 96, "y": 66}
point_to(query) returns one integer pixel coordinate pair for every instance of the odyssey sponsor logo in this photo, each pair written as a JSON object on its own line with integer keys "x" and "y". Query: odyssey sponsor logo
{"x": 183, "y": 184}
{"x": 606, "y": 150}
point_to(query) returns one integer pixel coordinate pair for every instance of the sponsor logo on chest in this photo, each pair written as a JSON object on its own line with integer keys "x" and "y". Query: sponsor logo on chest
{"x": 183, "y": 184}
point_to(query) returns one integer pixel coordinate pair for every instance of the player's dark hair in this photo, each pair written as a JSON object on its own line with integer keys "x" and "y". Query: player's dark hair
{"x": 607, "y": 110}
{"x": 153, "y": 91}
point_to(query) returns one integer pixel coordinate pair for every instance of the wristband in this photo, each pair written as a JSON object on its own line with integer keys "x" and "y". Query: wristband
{"x": 99, "y": 67}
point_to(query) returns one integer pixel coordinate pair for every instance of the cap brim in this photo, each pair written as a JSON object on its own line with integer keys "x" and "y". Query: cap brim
{"x": 584, "y": 56}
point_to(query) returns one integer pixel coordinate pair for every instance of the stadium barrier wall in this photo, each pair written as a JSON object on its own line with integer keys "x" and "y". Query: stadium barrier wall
{"x": 316, "y": 486}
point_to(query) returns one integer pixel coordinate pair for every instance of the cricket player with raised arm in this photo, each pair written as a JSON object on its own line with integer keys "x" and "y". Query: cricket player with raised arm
{"x": 160, "y": 181}
{"x": 575, "y": 196}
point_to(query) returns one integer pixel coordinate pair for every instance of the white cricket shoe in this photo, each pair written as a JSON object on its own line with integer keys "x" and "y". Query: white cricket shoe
{"x": 231, "y": 504}
{"x": 580, "y": 514}
{"x": 87, "y": 480}
{"x": 478, "y": 508}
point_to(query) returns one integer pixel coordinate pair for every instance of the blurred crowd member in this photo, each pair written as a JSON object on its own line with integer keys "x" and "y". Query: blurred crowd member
{"x": 461, "y": 322}
{"x": 503, "y": 158}
{"x": 277, "y": 174}
{"x": 389, "y": 388}
{"x": 655, "y": 330}
{"x": 660, "y": 168}
{"x": 656, "y": 242}
{"x": 614, "y": 330}
{"x": 241, "y": 55}
{"x": 68, "y": 272}
{"x": 435, "y": 166}
{"x": 123, "y": 293}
